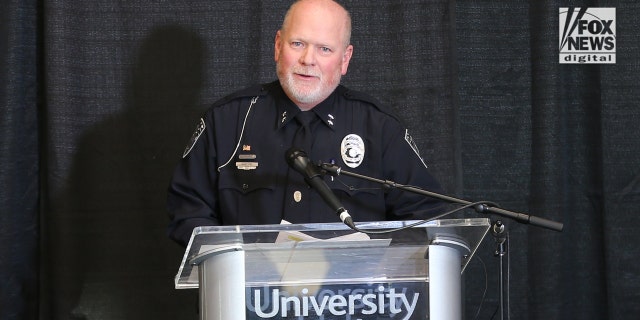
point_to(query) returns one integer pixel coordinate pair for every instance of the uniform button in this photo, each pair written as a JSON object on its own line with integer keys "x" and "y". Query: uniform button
{"x": 297, "y": 196}
{"x": 245, "y": 186}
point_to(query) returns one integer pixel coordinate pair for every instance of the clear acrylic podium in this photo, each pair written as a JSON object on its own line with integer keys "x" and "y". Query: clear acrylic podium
{"x": 326, "y": 271}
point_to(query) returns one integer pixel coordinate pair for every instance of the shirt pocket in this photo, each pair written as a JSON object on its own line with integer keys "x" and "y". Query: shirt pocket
{"x": 246, "y": 197}
{"x": 244, "y": 181}
{"x": 363, "y": 199}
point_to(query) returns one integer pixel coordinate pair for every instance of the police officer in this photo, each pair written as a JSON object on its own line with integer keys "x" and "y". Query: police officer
{"x": 233, "y": 171}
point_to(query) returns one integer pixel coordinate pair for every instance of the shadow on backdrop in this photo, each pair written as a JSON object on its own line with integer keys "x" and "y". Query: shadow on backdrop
{"x": 110, "y": 256}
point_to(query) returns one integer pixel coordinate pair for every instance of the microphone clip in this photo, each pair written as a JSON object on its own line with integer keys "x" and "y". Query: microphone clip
{"x": 329, "y": 169}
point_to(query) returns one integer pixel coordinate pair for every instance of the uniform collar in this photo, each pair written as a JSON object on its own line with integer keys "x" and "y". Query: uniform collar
{"x": 287, "y": 110}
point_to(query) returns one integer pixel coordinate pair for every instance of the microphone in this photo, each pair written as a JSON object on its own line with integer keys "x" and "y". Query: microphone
{"x": 298, "y": 160}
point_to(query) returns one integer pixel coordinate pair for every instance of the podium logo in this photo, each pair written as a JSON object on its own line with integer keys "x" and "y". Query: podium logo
{"x": 588, "y": 35}
{"x": 356, "y": 303}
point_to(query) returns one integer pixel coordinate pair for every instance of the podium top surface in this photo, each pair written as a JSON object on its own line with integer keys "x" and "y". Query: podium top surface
{"x": 290, "y": 253}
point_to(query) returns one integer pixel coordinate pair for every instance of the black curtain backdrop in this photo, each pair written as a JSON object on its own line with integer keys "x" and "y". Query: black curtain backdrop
{"x": 99, "y": 99}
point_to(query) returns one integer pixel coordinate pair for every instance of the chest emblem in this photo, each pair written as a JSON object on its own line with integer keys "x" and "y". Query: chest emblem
{"x": 352, "y": 150}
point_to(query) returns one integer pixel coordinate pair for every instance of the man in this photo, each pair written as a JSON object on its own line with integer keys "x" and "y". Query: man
{"x": 234, "y": 170}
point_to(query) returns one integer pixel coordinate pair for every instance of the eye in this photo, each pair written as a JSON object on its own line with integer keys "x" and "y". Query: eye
{"x": 325, "y": 50}
{"x": 297, "y": 44}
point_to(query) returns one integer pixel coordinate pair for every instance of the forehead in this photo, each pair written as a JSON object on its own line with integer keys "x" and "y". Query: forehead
{"x": 316, "y": 24}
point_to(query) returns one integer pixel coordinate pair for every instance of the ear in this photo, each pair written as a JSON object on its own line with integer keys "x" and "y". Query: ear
{"x": 346, "y": 57}
{"x": 277, "y": 45}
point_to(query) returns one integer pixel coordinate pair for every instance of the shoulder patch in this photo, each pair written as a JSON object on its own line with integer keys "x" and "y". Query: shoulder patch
{"x": 413, "y": 145}
{"x": 194, "y": 137}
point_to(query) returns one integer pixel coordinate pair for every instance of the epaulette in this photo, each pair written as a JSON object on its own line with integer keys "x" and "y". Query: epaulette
{"x": 364, "y": 97}
{"x": 256, "y": 90}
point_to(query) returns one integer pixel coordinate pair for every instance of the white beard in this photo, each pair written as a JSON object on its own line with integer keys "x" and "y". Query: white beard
{"x": 303, "y": 94}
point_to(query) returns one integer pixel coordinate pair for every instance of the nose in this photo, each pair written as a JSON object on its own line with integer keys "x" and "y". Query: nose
{"x": 308, "y": 56}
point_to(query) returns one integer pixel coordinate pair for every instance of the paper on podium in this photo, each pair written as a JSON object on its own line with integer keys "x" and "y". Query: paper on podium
{"x": 313, "y": 259}
{"x": 296, "y": 236}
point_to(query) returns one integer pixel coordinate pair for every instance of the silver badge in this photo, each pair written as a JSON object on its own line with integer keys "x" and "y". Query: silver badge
{"x": 352, "y": 150}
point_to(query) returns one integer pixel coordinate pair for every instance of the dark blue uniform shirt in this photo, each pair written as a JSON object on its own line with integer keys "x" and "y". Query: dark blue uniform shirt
{"x": 233, "y": 171}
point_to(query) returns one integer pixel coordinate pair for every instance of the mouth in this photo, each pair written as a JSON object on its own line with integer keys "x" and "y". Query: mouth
{"x": 305, "y": 76}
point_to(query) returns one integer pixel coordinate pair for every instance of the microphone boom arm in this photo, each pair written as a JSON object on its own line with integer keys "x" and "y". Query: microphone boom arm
{"x": 334, "y": 170}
